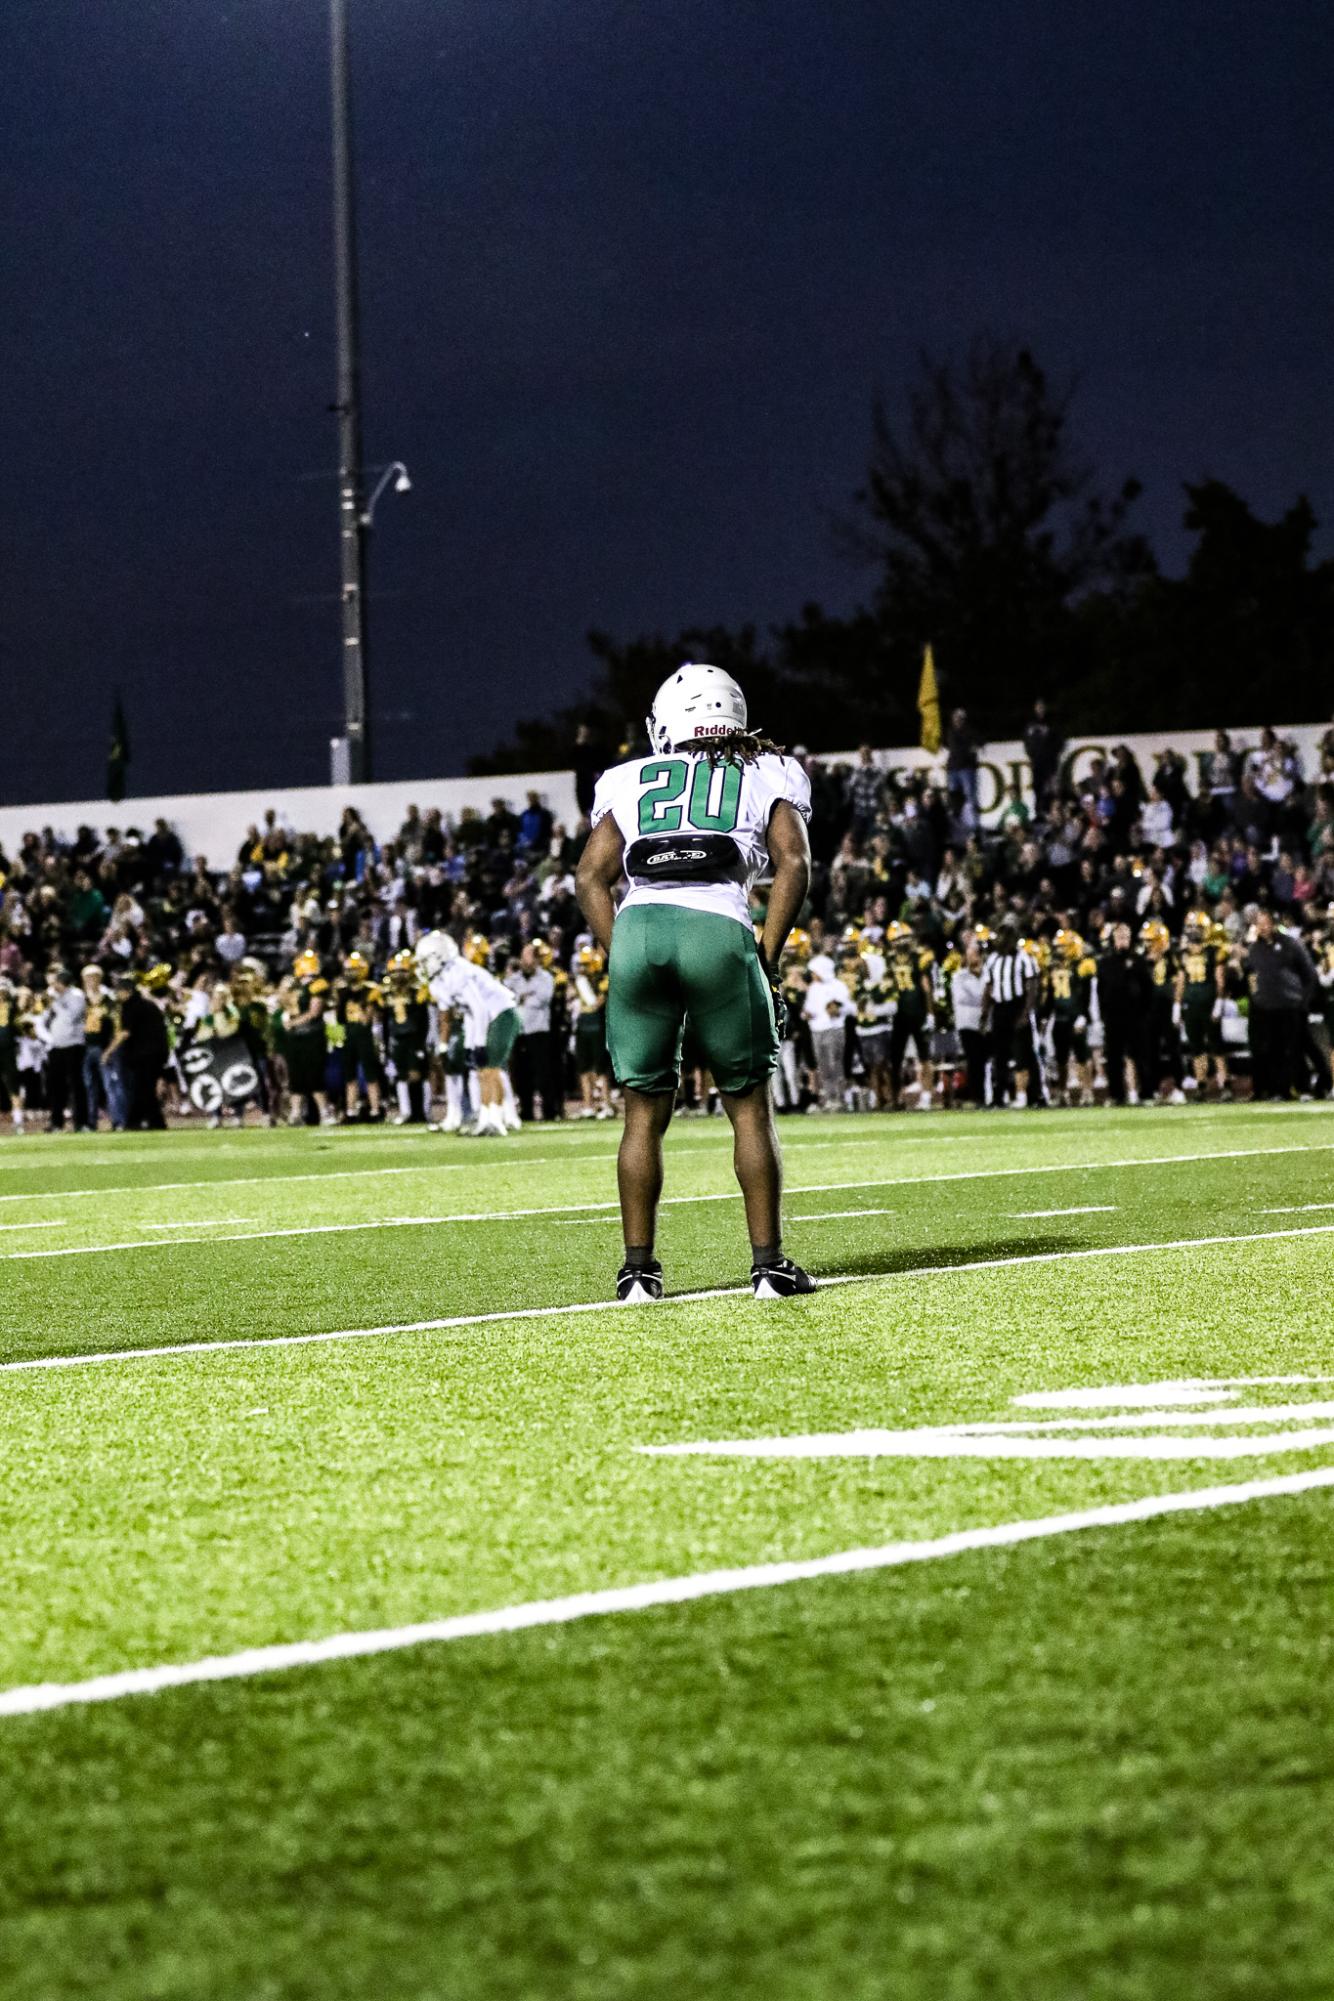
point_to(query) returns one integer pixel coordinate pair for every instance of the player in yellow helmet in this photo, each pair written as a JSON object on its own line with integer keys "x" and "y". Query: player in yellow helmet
{"x": 303, "y": 1042}
{"x": 1200, "y": 992}
{"x": 909, "y": 974}
{"x": 588, "y": 1008}
{"x": 1068, "y": 984}
{"x": 357, "y": 1009}
{"x": 406, "y": 1014}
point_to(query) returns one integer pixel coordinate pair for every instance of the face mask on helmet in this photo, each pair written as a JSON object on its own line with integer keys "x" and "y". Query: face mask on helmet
{"x": 694, "y": 705}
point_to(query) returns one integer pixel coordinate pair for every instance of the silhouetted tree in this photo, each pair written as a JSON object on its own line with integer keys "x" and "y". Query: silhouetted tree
{"x": 988, "y": 527}
{"x": 1245, "y": 636}
{"x": 991, "y": 536}
{"x": 630, "y": 674}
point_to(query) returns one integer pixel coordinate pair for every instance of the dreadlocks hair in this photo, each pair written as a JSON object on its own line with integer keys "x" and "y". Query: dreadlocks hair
{"x": 740, "y": 747}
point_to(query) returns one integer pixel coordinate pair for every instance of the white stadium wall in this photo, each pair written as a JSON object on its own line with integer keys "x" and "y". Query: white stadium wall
{"x": 213, "y": 824}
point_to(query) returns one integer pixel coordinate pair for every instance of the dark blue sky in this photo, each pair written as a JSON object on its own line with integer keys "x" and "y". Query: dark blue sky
{"x": 630, "y": 277}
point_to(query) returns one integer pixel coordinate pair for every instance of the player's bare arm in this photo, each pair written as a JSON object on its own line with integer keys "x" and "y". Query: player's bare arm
{"x": 790, "y": 858}
{"x": 600, "y": 868}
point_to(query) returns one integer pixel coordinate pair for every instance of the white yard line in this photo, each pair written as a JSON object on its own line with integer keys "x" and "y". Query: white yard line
{"x": 198, "y": 1223}
{"x": 469, "y": 1162}
{"x": 1297, "y": 1208}
{"x": 48, "y": 1223}
{"x": 521, "y": 1159}
{"x": 836, "y": 1215}
{"x": 190, "y": 1348}
{"x": 642, "y": 1597}
{"x": 1084, "y": 1209}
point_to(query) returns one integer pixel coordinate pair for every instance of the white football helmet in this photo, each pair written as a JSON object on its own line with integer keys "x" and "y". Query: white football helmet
{"x": 435, "y": 951}
{"x": 696, "y": 702}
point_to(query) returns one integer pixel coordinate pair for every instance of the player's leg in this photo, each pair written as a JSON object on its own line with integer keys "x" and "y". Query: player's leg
{"x": 645, "y": 1015}
{"x": 898, "y": 1042}
{"x": 501, "y": 1035}
{"x": 732, "y": 1010}
{"x": 489, "y": 1119}
{"x": 639, "y": 1184}
{"x": 758, "y": 1165}
{"x": 926, "y": 1076}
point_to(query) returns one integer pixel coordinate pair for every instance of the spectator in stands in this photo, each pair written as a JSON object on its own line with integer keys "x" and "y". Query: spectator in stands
{"x": 87, "y": 909}
{"x": 230, "y": 943}
{"x": 1219, "y": 768}
{"x": 1155, "y": 820}
{"x": 163, "y": 853}
{"x": 535, "y": 823}
{"x": 1043, "y": 746}
{"x": 589, "y": 764}
{"x": 865, "y": 793}
{"x": 961, "y": 761}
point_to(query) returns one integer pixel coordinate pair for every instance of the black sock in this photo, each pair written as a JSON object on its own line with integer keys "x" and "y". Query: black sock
{"x": 637, "y": 1256}
{"x": 765, "y": 1254}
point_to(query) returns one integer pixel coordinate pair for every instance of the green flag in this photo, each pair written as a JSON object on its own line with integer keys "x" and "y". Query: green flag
{"x": 118, "y": 753}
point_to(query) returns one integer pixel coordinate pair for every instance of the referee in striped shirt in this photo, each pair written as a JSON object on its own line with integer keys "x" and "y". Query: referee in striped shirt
{"x": 1010, "y": 973}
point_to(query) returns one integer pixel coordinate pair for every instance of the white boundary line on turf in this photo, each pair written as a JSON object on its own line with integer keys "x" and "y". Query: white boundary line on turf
{"x": 609, "y": 1213}
{"x": 572, "y": 1157}
{"x": 564, "y": 1208}
{"x": 519, "y": 1158}
{"x": 190, "y": 1348}
{"x": 1083, "y": 1209}
{"x": 44, "y": 1696}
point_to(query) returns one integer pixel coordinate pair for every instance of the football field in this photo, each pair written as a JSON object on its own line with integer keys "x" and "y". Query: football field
{"x": 368, "y": 1632}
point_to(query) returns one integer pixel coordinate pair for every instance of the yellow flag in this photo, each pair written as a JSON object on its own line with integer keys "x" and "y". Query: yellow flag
{"x": 928, "y": 702}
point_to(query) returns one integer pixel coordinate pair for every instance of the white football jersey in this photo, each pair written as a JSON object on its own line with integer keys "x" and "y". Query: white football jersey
{"x": 681, "y": 792}
{"x": 480, "y": 996}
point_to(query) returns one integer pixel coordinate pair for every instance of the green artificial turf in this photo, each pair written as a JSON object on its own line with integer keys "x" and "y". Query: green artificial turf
{"x": 1092, "y": 1767}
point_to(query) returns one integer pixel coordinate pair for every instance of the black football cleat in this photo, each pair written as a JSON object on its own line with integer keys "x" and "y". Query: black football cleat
{"x": 639, "y": 1285}
{"x": 780, "y": 1280}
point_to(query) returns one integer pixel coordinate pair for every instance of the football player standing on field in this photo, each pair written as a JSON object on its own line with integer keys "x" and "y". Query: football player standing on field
{"x": 689, "y": 829}
{"x": 455, "y": 983}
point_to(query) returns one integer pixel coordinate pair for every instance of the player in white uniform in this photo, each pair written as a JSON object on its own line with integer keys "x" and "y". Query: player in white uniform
{"x": 456, "y": 984}
{"x": 689, "y": 829}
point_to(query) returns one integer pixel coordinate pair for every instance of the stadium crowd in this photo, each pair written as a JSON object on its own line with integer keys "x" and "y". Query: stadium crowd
{"x": 1123, "y": 937}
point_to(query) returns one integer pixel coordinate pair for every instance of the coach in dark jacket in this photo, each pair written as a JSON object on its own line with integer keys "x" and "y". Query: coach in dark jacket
{"x": 1125, "y": 995}
{"x": 1282, "y": 980}
{"x": 144, "y": 1047}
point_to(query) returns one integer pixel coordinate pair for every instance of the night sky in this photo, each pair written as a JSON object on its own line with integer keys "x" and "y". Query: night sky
{"x": 631, "y": 274}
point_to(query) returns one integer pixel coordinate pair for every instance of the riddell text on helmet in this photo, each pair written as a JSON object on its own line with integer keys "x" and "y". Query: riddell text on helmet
{"x": 714, "y": 729}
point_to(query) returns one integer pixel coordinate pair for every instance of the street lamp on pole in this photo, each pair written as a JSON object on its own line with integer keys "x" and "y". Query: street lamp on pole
{"x": 352, "y": 513}
{"x": 398, "y": 472}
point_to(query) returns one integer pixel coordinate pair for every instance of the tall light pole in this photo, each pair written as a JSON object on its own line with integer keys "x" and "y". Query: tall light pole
{"x": 352, "y": 520}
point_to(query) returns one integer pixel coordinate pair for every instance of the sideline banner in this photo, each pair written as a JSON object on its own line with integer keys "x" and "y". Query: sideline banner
{"x": 218, "y": 1073}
